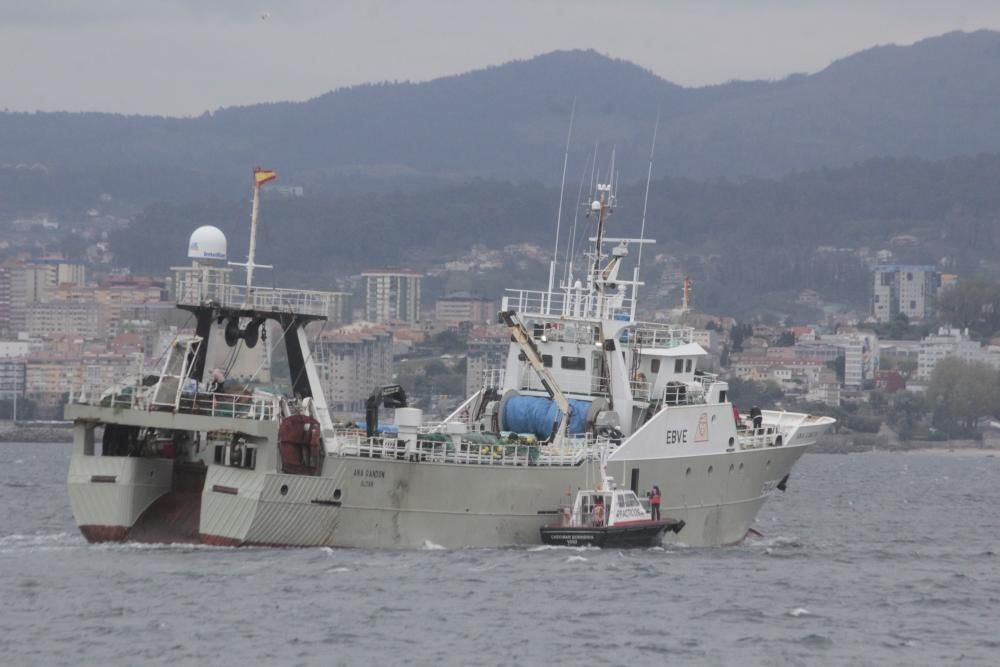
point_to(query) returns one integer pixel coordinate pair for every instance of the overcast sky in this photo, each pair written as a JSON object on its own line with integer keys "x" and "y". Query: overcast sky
{"x": 182, "y": 57}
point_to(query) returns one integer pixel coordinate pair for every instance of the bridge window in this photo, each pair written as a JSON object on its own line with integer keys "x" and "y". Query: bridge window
{"x": 678, "y": 365}
{"x": 654, "y": 366}
{"x": 574, "y": 363}
{"x": 687, "y": 365}
{"x": 546, "y": 359}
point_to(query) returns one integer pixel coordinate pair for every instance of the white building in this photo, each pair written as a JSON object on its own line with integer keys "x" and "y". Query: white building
{"x": 392, "y": 296}
{"x": 860, "y": 350}
{"x": 906, "y": 290}
{"x": 59, "y": 318}
{"x": 15, "y": 349}
{"x": 951, "y": 342}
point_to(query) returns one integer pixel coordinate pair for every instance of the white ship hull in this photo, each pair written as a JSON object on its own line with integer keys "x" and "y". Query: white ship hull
{"x": 366, "y": 502}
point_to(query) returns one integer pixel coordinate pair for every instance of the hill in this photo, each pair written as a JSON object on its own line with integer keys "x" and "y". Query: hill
{"x": 742, "y": 242}
{"x": 935, "y": 99}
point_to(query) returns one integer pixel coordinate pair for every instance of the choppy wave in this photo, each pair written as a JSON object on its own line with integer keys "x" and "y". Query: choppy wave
{"x": 847, "y": 574}
{"x": 431, "y": 546}
{"x": 40, "y": 542}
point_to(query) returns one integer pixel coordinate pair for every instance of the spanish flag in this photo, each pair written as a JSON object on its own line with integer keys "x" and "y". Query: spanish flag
{"x": 262, "y": 176}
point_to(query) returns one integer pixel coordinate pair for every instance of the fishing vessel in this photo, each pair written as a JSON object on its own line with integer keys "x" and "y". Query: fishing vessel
{"x": 179, "y": 455}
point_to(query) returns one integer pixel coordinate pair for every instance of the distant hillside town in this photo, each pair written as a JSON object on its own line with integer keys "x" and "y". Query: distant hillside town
{"x": 70, "y": 327}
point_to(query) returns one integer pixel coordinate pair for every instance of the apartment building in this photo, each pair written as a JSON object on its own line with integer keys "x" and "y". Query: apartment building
{"x": 463, "y": 307}
{"x": 392, "y": 295}
{"x": 908, "y": 290}
{"x": 487, "y": 349}
{"x": 352, "y": 361}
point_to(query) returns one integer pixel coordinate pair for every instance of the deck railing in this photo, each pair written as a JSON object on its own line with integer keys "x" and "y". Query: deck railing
{"x": 199, "y": 292}
{"x": 570, "y": 304}
{"x": 237, "y": 406}
{"x": 758, "y": 438}
{"x": 210, "y": 404}
{"x": 653, "y": 335}
{"x": 573, "y": 453}
{"x": 493, "y": 378}
{"x": 641, "y": 389}
{"x": 706, "y": 380}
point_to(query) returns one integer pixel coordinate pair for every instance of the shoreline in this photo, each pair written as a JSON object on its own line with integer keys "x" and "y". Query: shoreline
{"x": 37, "y": 435}
{"x": 958, "y": 452}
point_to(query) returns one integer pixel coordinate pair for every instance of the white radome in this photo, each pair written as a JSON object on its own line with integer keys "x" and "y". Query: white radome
{"x": 207, "y": 242}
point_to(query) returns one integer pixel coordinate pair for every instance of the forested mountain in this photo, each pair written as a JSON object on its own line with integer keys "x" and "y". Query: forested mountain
{"x": 740, "y": 240}
{"x": 935, "y": 99}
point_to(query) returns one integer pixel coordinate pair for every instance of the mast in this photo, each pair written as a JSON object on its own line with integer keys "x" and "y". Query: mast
{"x": 253, "y": 233}
{"x": 601, "y": 206}
{"x": 562, "y": 189}
{"x": 649, "y": 177}
{"x": 606, "y": 201}
{"x": 260, "y": 177}
{"x": 645, "y": 205}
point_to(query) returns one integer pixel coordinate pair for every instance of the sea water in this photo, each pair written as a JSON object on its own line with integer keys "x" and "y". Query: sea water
{"x": 867, "y": 559}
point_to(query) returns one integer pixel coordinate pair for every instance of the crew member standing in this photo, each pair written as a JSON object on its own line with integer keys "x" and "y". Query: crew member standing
{"x": 654, "y": 503}
{"x": 597, "y": 514}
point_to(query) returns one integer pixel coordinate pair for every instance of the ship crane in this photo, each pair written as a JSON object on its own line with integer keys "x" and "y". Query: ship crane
{"x": 531, "y": 352}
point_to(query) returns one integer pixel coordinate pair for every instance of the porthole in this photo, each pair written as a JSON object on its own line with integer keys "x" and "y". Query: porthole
{"x": 709, "y": 470}
{"x": 769, "y": 463}
{"x": 688, "y": 471}
{"x": 731, "y": 467}
{"x": 336, "y": 494}
{"x": 741, "y": 466}
{"x": 732, "y": 441}
{"x": 284, "y": 489}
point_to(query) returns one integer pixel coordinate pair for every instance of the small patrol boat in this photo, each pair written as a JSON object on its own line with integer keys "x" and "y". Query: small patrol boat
{"x": 608, "y": 517}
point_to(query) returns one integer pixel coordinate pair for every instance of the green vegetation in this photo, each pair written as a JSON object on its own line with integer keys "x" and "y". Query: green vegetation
{"x": 900, "y": 328}
{"x": 973, "y": 305}
{"x": 747, "y": 393}
{"x": 723, "y": 233}
{"x": 960, "y": 393}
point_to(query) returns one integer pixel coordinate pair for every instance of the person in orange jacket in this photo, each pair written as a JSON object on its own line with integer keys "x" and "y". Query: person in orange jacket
{"x": 654, "y": 503}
